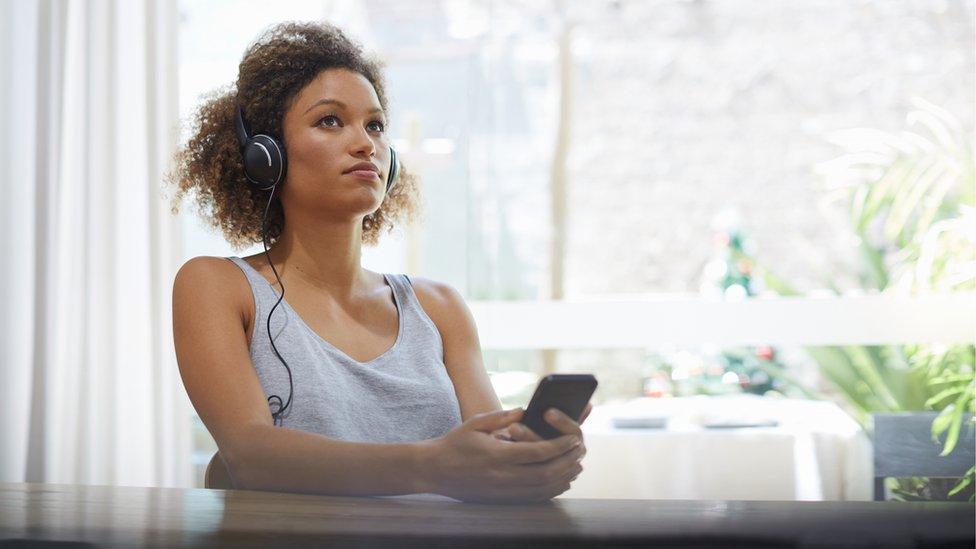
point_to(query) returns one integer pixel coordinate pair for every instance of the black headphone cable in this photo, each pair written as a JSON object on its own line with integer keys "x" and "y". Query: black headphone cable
{"x": 276, "y": 415}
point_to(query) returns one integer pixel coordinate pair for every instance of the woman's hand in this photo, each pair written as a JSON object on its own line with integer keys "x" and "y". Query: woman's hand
{"x": 469, "y": 463}
{"x": 517, "y": 432}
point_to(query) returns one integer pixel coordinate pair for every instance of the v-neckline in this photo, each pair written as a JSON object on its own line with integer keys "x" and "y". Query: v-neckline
{"x": 322, "y": 340}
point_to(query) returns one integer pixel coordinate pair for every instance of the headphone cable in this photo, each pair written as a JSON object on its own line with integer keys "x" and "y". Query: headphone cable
{"x": 276, "y": 415}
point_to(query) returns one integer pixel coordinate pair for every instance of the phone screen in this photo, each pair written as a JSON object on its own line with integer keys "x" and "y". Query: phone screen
{"x": 568, "y": 393}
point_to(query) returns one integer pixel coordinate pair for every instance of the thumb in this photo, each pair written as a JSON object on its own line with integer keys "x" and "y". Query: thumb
{"x": 492, "y": 421}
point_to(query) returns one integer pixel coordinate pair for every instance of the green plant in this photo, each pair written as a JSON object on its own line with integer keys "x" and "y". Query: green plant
{"x": 949, "y": 371}
{"x": 928, "y": 489}
{"x": 912, "y": 203}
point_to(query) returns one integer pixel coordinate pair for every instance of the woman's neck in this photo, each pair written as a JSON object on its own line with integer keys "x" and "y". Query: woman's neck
{"x": 325, "y": 256}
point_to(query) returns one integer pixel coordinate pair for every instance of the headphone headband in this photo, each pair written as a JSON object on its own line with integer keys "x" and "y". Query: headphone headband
{"x": 240, "y": 127}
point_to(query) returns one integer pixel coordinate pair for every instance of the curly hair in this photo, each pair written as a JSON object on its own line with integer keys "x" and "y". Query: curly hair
{"x": 275, "y": 67}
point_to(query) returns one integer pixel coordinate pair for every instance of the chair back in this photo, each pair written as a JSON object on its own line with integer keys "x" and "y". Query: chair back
{"x": 217, "y": 475}
{"x": 903, "y": 447}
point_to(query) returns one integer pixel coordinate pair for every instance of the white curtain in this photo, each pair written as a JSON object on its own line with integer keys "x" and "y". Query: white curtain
{"x": 89, "y": 388}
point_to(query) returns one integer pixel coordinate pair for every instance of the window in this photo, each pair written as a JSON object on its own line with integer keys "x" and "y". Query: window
{"x": 700, "y": 145}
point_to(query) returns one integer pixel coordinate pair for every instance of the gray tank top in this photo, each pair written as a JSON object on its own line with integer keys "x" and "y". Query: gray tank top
{"x": 403, "y": 395}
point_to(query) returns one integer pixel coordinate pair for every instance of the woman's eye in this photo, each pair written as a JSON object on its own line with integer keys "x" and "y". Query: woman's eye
{"x": 329, "y": 117}
{"x": 375, "y": 125}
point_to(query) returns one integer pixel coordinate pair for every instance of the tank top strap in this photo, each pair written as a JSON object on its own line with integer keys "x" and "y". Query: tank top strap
{"x": 264, "y": 295}
{"x": 418, "y": 323}
{"x": 399, "y": 286}
{"x": 405, "y": 299}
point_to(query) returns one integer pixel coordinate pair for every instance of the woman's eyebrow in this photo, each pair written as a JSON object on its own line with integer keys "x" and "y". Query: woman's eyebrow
{"x": 340, "y": 104}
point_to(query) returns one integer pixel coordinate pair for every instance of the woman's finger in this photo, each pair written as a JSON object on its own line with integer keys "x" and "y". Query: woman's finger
{"x": 528, "y": 451}
{"x": 490, "y": 423}
{"x": 562, "y": 422}
{"x": 586, "y": 412}
{"x": 503, "y": 434}
{"x": 564, "y": 467}
{"x": 521, "y": 433}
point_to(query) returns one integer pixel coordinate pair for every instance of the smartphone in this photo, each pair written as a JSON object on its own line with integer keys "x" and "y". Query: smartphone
{"x": 567, "y": 392}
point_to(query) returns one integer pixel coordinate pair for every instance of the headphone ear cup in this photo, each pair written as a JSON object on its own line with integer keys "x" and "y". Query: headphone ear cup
{"x": 394, "y": 170}
{"x": 265, "y": 162}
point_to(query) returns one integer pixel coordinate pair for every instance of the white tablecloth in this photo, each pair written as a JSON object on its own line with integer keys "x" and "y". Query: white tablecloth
{"x": 816, "y": 452}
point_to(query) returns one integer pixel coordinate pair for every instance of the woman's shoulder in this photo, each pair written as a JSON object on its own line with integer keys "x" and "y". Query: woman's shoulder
{"x": 441, "y": 301}
{"x": 216, "y": 279}
{"x": 207, "y": 269}
{"x": 429, "y": 289}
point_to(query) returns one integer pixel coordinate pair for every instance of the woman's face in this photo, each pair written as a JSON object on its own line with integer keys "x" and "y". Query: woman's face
{"x": 334, "y": 123}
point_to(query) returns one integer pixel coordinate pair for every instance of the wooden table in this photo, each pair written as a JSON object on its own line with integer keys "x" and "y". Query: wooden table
{"x": 106, "y": 516}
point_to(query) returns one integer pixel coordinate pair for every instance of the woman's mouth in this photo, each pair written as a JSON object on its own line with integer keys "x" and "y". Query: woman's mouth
{"x": 364, "y": 174}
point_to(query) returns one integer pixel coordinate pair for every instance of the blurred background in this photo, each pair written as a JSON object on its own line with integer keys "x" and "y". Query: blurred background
{"x": 754, "y": 222}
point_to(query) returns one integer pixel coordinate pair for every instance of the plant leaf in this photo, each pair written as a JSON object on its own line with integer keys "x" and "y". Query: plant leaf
{"x": 954, "y": 429}
{"x": 966, "y": 481}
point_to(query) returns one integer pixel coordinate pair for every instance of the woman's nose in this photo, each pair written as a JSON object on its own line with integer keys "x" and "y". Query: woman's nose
{"x": 363, "y": 143}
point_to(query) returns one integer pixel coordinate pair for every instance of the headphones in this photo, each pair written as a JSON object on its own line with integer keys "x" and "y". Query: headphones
{"x": 265, "y": 165}
{"x": 265, "y": 161}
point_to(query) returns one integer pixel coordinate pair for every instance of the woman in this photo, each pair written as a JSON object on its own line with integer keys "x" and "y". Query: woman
{"x": 360, "y": 383}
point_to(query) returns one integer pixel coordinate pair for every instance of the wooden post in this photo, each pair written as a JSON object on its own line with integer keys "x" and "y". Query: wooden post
{"x": 558, "y": 178}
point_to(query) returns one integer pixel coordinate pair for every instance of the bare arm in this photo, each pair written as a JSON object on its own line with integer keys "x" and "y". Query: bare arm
{"x": 289, "y": 460}
{"x": 210, "y": 304}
